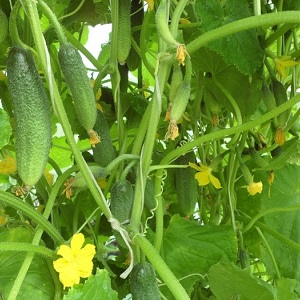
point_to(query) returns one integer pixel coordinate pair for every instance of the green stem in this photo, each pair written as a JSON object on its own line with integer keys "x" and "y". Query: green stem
{"x": 176, "y": 16}
{"x": 147, "y": 149}
{"x": 83, "y": 50}
{"x": 15, "y": 246}
{"x": 229, "y": 131}
{"x": 278, "y": 33}
{"x": 269, "y": 250}
{"x": 271, "y": 19}
{"x": 51, "y": 16}
{"x": 13, "y": 28}
{"x": 161, "y": 267}
{"x": 274, "y": 233}
{"x": 25, "y": 208}
{"x": 266, "y": 212}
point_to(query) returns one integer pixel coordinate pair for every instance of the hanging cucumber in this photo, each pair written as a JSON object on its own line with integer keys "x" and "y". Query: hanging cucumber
{"x": 137, "y": 16}
{"x": 124, "y": 31}
{"x": 186, "y": 185}
{"x": 180, "y": 101}
{"x": 162, "y": 26}
{"x": 76, "y": 78}
{"x": 143, "y": 282}
{"x": 103, "y": 152}
{"x": 32, "y": 115}
{"x": 121, "y": 200}
{"x": 280, "y": 97}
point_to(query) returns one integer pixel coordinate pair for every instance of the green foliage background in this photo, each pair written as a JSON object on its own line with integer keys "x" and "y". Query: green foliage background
{"x": 234, "y": 245}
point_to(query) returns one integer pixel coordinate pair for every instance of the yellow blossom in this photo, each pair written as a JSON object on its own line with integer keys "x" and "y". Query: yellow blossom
{"x": 8, "y": 165}
{"x": 279, "y": 136}
{"x": 283, "y": 62}
{"x": 181, "y": 54}
{"x": 150, "y": 4}
{"x": 254, "y": 188}
{"x": 204, "y": 176}
{"x": 76, "y": 261}
{"x": 271, "y": 177}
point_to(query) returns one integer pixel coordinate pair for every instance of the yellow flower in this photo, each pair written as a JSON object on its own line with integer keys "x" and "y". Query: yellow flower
{"x": 254, "y": 188}
{"x": 76, "y": 261}
{"x": 283, "y": 62}
{"x": 204, "y": 176}
{"x": 8, "y": 165}
{"x": 279, "y": 136}
{"x": 150, "y": 4}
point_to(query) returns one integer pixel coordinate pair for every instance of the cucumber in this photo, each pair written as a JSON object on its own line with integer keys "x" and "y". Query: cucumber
{"x": 121, "y": 200}
{"x": 124, "y": 31}
{"x": 180, "y": 101}
{"x": 32, "y": 115}
{"x": 3, "y": 26}
{"x": 143, "y": 282}
{"x": 137, "y": 16}
{"x": 175, "y": 81}
{"x": 186, "y": 185}
{"x": 79, "y": 181}
{"x": 76, "y": 78}
{"x": 162, "y": 25}
{"x": 280, "y": 97}
{"x": 103, "y": 152}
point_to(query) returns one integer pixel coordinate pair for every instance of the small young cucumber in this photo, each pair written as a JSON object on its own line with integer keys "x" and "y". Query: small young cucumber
{"x": 76, "y": 78}
{"x": 124, "y": 31}
{"x": 32, "y": 115}
{"x": 3, "y": 26}
{"x": 162, "y": 25}
{"x": 175, "y": 81}
{"x": 180, "y": 101}
{"x": 103, "y": 152}
{"x": 186, "y": 185}
{"x": 121, "y": 200}
{"x": 133, "y": 60}
{"x": 280, "y": 97}
{"x": 143, "y": 282}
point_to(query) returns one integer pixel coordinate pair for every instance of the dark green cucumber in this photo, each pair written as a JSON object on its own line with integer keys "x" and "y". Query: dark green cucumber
{"x": 124, "y": 31}
{"x": 143, "y": 282}
{"x": 280, "y": 97}
{"x": 121, "y": 200}
{"x": 32, "y": 115}
{"x": 137, "y": 16}
{"x": 186, "y": 185}
{"x": 103, "y": 152}
{"x": 75, "y": 75}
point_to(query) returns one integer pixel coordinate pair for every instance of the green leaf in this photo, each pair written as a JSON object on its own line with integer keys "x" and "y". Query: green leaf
{"x": 38, "y": 283}
{"x": 241, "y": 49}
{"x": 6, "y": 130}
{"x": 244, "y": 90}
{"x": 97, "y": 287}
{"x": 226, "y": 280}
{"x": 285, "y": 192}
{"x": 60, "y": 152}
{"x": 285, "y": 289}
{"x": 189, "y": 248}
